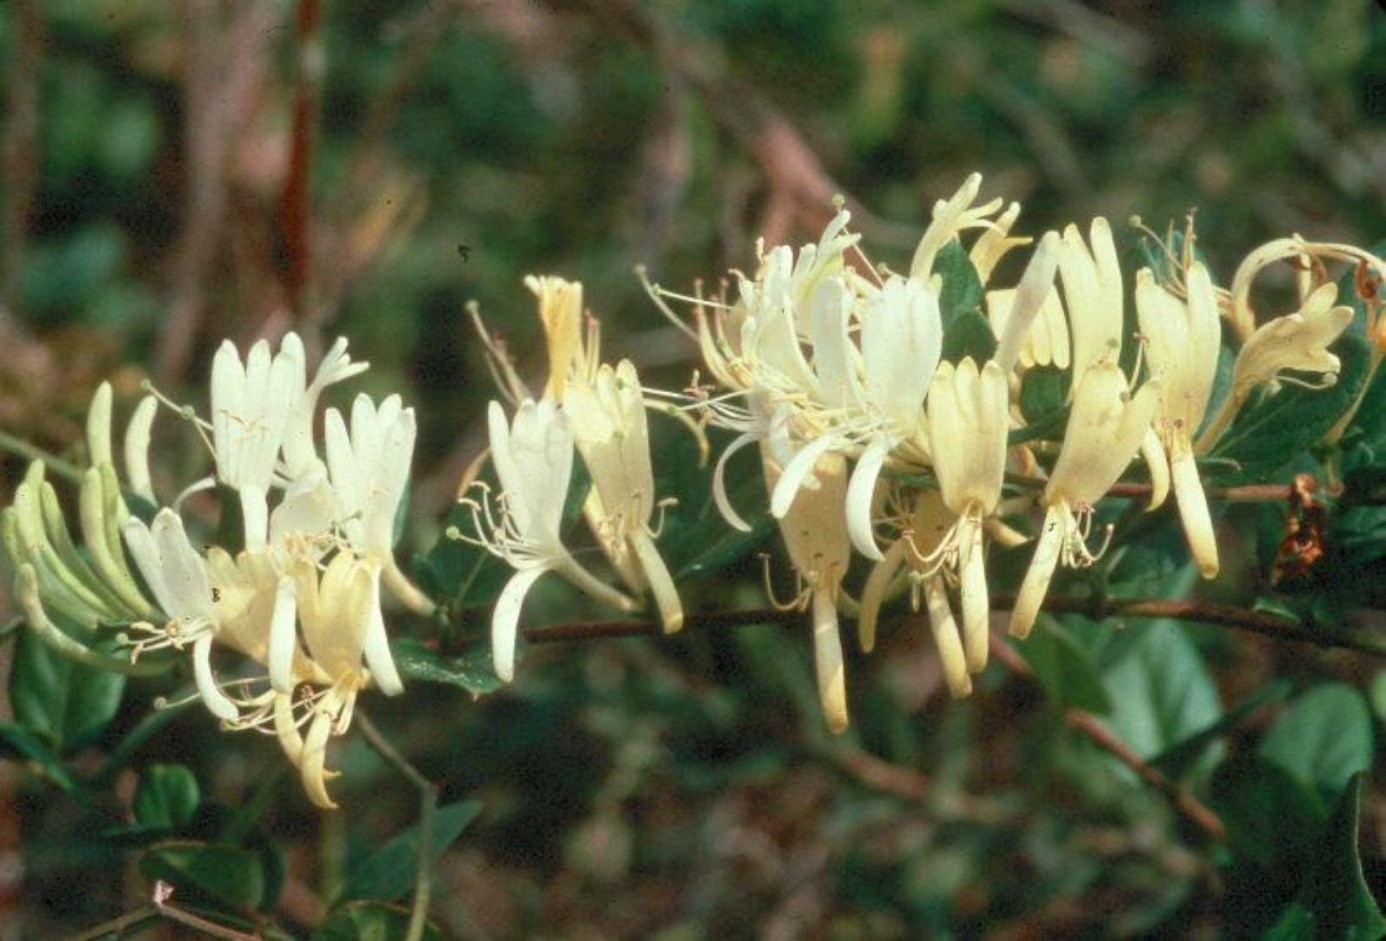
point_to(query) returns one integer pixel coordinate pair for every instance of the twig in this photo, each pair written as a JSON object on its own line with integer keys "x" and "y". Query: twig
{"x": 428, "y": 803}
{"x": 1091, "y": 726}
{"x": 118, "y": 926}
{"x": 294, "y": 213}
{"x": 1205, "y": 612}
{"x": 204, "y": 123}
{"x": 1188, "y": 805}
{"x": 163, "y": 892}
{"x": 64, "y": 469}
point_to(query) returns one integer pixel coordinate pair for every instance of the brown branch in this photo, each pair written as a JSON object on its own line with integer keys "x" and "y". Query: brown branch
{"x": 1204, "y": 612}
{"x": 1191, "y": 807}
{"x": 294, "y": 211}
{"x": 1091, "y": 726}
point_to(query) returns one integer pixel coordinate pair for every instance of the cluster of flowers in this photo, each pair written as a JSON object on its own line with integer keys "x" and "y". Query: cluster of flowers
{"x": 300, "y": 597}
{"x": 600, "y": 411}
{"x": 836, "y": 369}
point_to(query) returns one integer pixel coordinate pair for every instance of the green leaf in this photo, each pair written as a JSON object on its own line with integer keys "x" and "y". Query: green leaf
{"x": 961, "y": 292}
{"x": 1183, "y": 758}
{"x": 1324, "y": 738}
{"x": 694, "y": 538}
{"x": 1272, "y": 819}
{"x": 1378, "y": 695}
{"x": 17, "y": 742}
{"x": 473, "y": 671}
{"x": 1043, "y": 403}
{"x": 167, "y": 797}
{"x": 1275, "y": 428}
{"x": 222, "y": 876}
{"x": 1334, "y": 902}
{"x": 1065, "y": 668}
{"x": 969, "y": 335}
{"x": 369, "y": 921}
{"x": 62, "y": 702}
{"x": 1160, "y": 690}
{"x": 388, "y": 873}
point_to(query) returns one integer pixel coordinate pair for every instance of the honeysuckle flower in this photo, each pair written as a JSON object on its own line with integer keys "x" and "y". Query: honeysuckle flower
{"x": 968, "y": 415}
{"x": 912, "y": 559}
{"x": 901, "y": 342}
{"x": 249, "y": 417}
{"x": 951, "y": 217}
{"x": 611, "y": 432}
{"x": 815, "y": 534}
{"x": 338, "y": 607}
{"x": 1308, "y": 259}
{"x": 299, "y": 453}
{"x": 1182, "y": 341}
{"x": 369, "y": 468}
{"x": 1297, "y": 341}
{"x": 560, "y": 311}
{"x": 1105, "y": 429}
{"x": 1093, "y": 293}
{"x": 180, "y": 581}
{"x": 533, "y": 458}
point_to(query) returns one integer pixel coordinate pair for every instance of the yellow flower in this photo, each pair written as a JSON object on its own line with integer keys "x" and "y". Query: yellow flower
{"x": 1183, "y": 337}
{"x": 815, "y": 532}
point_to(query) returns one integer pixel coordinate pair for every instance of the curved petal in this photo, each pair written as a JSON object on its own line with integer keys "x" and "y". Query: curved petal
{"x": 216, "y": 701}
{"x": 505, "y": 620}
{"x": 799, "y": 468}
{"x": 283, "y": 638}
{"x": 719, "y": 484}
{"x": 947, "y": 638}
{"x": 1040, "y": 572}
{"x": 827, "y": 661}
{"x": 860, "y": 490}
{"x": 376, "y": 645}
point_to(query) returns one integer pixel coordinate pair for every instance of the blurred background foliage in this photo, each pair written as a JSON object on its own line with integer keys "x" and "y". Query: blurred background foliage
{"x": 177, "y": 173}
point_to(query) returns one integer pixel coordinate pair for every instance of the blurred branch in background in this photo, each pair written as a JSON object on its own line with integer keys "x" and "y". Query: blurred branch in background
{"x": 225, "y": 70}
{"x": 20, "y": 155}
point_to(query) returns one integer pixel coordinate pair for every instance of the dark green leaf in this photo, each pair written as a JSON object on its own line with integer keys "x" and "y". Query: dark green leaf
{"x": 167, "y": 797}
{"x": 1324, "y": 738}
{"x": 64, "y": 703}
{"x": 961, "y": 292}
{"x": 969, "y": 335}
{"x": 1043, "y": 403}
{"x": 473, "y": 671}
{"x": 223, "y": 876}
{"x": 1065, "y": 668}
{"x": 1272, "y": 819}
{"x": 369, "y": 921}
{"x": 1160, "y": 690}
{"x": 388, "y": 873}
{"x": 1334, "y": 902}
{"x": 17, "y": 742}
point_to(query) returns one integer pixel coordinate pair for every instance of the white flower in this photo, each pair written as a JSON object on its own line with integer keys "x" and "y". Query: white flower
{"x": 1183, "y": 339}
{"x": 250, "y": 411}
{"x": 901, "y": 341}
{"x": 533, "y": 458}
{"x": 299, "y": 452}
{"x": 369, "y": 467}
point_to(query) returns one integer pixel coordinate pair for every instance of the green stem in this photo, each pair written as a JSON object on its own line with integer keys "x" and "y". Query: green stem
{"x": 428, "y": 804}
{"x": 117, "y": 927}
{"x": 57, "y": 465}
